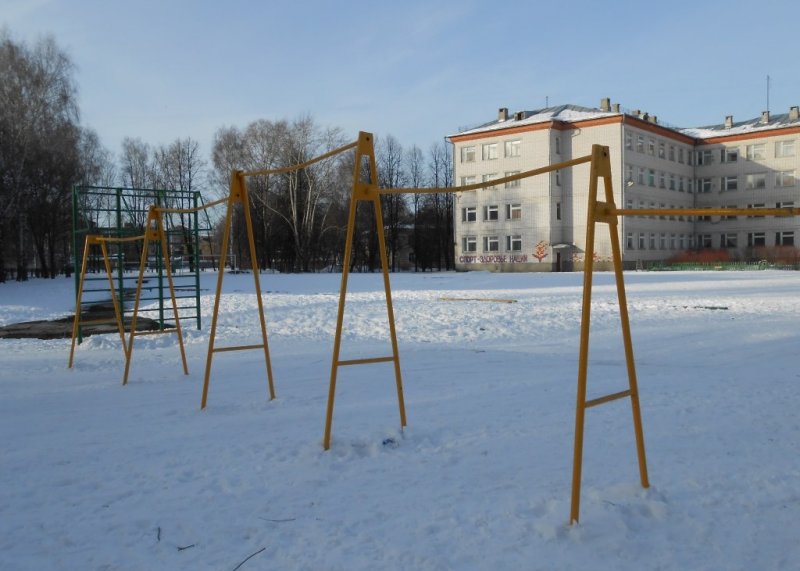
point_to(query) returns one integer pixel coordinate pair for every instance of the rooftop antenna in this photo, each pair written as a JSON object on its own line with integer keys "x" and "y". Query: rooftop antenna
{"x": 767, "y": 93}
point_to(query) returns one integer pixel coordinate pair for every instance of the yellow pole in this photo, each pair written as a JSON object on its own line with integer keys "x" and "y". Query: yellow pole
{"x": 165, "y": 253}
{"x": 148, "y": 233}
{"x": 363, "y": 148}
{"x": 583, "y": 354}
{"x": 625, "y": 322}
{"x": 78, "y": 299}
{"x": 234, "y": 191}
{"x": 376, "y": 201}
{"x": 254, "y": 263}
{"x": 117, "y": 315}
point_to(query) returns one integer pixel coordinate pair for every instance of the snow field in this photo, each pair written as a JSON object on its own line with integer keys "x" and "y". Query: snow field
{"x": 97, "y": 476}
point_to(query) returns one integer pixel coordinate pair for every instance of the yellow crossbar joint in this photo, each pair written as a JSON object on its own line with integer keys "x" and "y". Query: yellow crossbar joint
{"x": 607, "y": 398}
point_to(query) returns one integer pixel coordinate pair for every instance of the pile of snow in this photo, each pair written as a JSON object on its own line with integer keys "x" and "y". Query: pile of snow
{"x": 97, "y": 476}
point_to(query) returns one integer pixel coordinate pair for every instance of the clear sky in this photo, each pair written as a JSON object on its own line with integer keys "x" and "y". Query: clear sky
{"x": 419, "y": 70}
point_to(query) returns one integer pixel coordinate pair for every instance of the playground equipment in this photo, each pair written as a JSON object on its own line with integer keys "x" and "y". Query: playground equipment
{"x": 599, "y": 211}
{"x": 117, "y": 212}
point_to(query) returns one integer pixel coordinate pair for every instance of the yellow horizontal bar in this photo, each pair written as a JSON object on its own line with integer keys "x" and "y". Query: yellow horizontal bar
{"x": 788, "y": 211}
{"x": 365, "y": 361}
{"x": 155, "y": 332}
{"x": 97, "y": 239}
{"x": 236, "y": 348}
{"x": 607, "y": 398}
{"x": 191, "y": 210}
{"x": 302, "y": 165}
{"x": 488, "y": 183}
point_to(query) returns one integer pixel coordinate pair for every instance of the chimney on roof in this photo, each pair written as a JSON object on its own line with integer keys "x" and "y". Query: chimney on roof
{"x": 765, "y": 117}
{"x": 637, "y": 113}
{"x": 502, "y": 114}
{"x": 615, "y": 107}
{"x": 519, "y": 115}
{"x": 728, "y": 121}
{"x": 605, "y": 104}
{"x": 794, "y": 113}
{"x": 654, "y": 119}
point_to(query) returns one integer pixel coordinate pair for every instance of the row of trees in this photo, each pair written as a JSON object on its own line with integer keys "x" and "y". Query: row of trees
{"x": 300, "y": 217}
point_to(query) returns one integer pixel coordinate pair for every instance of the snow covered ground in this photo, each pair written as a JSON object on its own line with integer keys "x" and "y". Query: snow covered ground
{"x": 94, "y": 475}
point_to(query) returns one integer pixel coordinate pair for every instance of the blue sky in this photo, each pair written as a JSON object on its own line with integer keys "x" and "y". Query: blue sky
{"x": 159, "y": 70}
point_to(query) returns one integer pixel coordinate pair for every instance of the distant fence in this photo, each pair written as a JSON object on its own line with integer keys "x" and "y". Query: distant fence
{"x": 718, "y": 266}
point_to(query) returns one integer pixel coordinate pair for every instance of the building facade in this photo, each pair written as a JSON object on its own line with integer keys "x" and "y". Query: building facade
{"x": 539, "y": 223}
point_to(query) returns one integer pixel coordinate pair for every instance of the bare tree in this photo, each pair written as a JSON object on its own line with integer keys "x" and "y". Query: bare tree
{"x": 391, "y": 174}
{"x": 416, "y": 178}
{"x": 38, "y": 149}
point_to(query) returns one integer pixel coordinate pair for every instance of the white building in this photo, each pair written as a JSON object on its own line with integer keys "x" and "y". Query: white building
{"x": 539, "y": 223}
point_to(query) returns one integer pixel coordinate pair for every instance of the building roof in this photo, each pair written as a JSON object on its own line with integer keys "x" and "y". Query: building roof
{"x": 566, "y": 113}
{"x": 742, "y": 127}
{"x": 571, "y": 113}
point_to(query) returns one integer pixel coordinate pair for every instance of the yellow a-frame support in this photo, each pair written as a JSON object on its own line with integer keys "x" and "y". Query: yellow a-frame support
{"x": 597, "y": 212}
{"x": 98, "y": 240}
{"x": 363, "y": 192}
{"x": 237, "y": 195}
{"x": 154, "y": 232}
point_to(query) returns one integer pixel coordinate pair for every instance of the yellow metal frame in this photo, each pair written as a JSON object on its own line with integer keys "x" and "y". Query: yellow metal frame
{"x": 606, "y": 212}
{"x": 154, "y": 232}
{"x": 98, "y": 240}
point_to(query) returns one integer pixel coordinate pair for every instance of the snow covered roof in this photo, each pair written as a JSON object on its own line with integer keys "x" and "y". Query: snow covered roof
{"x": 742, "y": 127}
{"x": 565, "y": 113}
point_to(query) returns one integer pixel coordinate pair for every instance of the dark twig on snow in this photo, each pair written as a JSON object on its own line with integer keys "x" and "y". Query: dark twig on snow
{"x": 185, "y": 547}
{"x": 249, "y": 557}
{"x": 278, "y": 520}
{"x": 159, "y": 533}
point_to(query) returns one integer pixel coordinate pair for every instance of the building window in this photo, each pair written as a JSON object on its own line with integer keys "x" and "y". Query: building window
{"x": 756, "y": 181}
{"x": 558, "y": 211}
{"x": 730, "y": 155}
{"x": 784, "y": 149}
{"x": 491, "y": 244}
{"x": 489, "y": 151}
{"x": 689, "y": 185}
{"x": 629, "y": 141}
{"x": 784, "y": 178}
{"x": 756, "y": 239}
{"x": 628, "y": 173}
{"x": 513, "y": 183}
{"x": 469, "y": 244}
{"x": 729, "y": 217}
{"x": 730, "y": 183}
{"x": 642, "y": 239}
{"x": 704, "y": 218}
{"x": 558, "y": 178}
{"x": 682, "y": 242}
{"x": 640, "y": 143}
{"x": 651, "y": 177}
{"x": 491, "y": 212}
{"x": 514, "y": 243}
{"x": 681, "y": 187}
{"x": 629, "y": 240}
{"x": 672, "y": 242}
{"x": 469, "y": 214}
{"x": 784, "y": 238}
{"x": 487, "y": 178}
{"x": 705, "y": 157}
{"x": 756, "y": 152}
{"x": 661, "y": 150}
{"x": 558, "y": 145}
{"x": 513, "y": 148}
{"x": 727, "y": 240}
{"x": 652, "y": 241}
{"x": 640, "y": 175}
{"x": 662, "y": 241}
{"x": 651, "y": 147}
{"x": 672, "y": 153}
{"x": 760, "y": 205}
{"x": 680, "y": 155}
{"x": 468, "y": 154}
{"x": 466, "y": 180}
{"x": 661, "y": 180}
{"x": 704, "y": 241}
{"x": 704, "y": 185}
{"x": 672, "y": 181}
{"x": 513, "y": 211}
